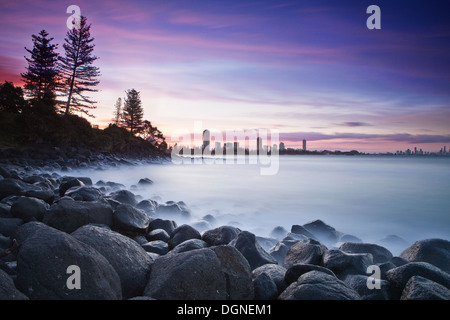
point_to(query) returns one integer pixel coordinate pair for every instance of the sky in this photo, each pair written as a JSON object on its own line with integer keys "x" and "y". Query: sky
{"x": 310, "y": 69}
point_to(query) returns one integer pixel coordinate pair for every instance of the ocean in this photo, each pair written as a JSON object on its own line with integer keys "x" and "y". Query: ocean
{"x": 370, "y": 197}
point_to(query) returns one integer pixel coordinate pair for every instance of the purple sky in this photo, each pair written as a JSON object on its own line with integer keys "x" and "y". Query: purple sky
{"x": 310, "y": 69}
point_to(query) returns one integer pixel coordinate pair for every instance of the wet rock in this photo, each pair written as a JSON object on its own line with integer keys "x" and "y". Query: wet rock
{"x": 379, "y": 253}
{"x": 84, "y": 193}
{"x": 188, "y": 245}
{"x": 323, "y": 232}
{"x": 145, "y": 182}
{"x": 434, "y": 251}
{"x": 158, "y": 234}
{"x": 8, "y": 290}
{"x": 28, "y": 209}
{"x": 306, "y": 251}
{"x": 69, "y": 184}
{"x": 168, "y": 225}
{"x": 156, "y": 246}
{"x": 68, "y": 215}
{"x": 128, "y": 258}
{"x": 342, "y": 263}
{"x": 275, "y": 273}
{"x": 316, "y": 285}
{"x": 220, "y": 235}
{"x": 181, "y": 234}
{"x": 130, "y": 220}
{"x": 294, "y": 272}
{"x": 193, "y": 275}
{"x": 358, "y": 283}
{"x": 43, "y": 261}
{"x": 256, "y": 256}
{"x": 125, "y": 197}
{"x": 419, "y": 288}
{"x": 8, "y": 226}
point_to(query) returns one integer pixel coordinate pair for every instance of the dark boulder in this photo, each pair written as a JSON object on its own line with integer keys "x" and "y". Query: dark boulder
{"x": 158, "y": 234}
{"x": 64, "y": 186}
{"x": 419, "y": 288}
{"x": 148, "y": 206}
{"x": 276, "y": 273}
{"x": 145, "y": 182}
{"x": 47, "y": 195}
{"x": 43, "y": 262}
{"x": 156, "y": 246}
{"x": 172, "y": 210}
{"x": 306, "y": 251}
{"x": 181, "y": 234}
{"x": 301, "y": 230}
{"x": 68, "y": 215}
{"x": 358, "y": 283}
{"x": 323, "y": 232}
{"x": 236, "y": 271}
{"x": 8, "y": 226}
{"x": 265, "y": 288}
{"x": 8, "y": 290}
{"x": 342, "y": 263}
{"x": 294, "y": 272}
{"x": 14, "y": 187}
{"x": 130, "y": 220}
{"x": 29, "y": 209}
{"x": 188, "y": 245}
{"x": 84, "y": 193}
{"x": 220, "y": 235}
{"x": 278, "y": 232}
{"x": 434, "y": 251}
{"x": 256, "y": 256}
{"x": 398, "y": 277}
{"x": 168, "y": 225}
{"x": 193, "y": 275}
{"x": 316, "y": 285}
{"x": 127, "y": 257}
{"x": 124, "y": 196}
{"x": 379, "y": 253}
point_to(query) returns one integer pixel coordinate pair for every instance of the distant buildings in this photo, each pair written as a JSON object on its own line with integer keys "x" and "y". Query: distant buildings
{"x": 304, "y": 145}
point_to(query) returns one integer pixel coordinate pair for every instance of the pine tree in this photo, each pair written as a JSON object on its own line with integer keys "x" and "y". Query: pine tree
{"x": 132, "y": 111}
{"x": 79, "y": 75}
{"x": 41, "y": 78}
{"x": 118, "y": 112}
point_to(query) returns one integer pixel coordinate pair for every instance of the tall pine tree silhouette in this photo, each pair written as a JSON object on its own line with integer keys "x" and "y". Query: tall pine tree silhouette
{"x": 132, "y": 112}
{"x": 42, "y": 76}
{"x": 79, "y": 75}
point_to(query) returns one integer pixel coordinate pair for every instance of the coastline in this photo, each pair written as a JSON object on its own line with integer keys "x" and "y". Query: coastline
{"x": 76, "y": 209}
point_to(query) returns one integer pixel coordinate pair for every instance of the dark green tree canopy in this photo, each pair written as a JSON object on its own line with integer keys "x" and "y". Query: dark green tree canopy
{"x": 41, "y": 78}
{"x": 133, "y": 112}
{"x": 11, "y": 98}
{"x": 77, "y": 69}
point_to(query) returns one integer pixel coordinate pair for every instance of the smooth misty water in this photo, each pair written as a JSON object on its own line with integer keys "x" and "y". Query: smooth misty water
{"x": 366, "y": 196}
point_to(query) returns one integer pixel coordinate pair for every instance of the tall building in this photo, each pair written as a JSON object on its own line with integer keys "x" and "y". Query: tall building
{"x": 304, "y": 145}
{"x": 282, "y": 146}
{"x": 206, "y": 139}
{"x": 259, "y": 146}
{"x": 445, "y": 149}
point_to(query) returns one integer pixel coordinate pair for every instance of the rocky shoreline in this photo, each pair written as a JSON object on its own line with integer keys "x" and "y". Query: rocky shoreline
{"x": 54, "y": 224}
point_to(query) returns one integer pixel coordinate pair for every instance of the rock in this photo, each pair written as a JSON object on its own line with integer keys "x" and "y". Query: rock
{"x": 181, "y": 234}
{"x": 237, "y": 273}
{"x": 398, "y": 277}
{"x": 130, "y": 220}
{"x": 158, "y": 234}
{"x": 43, "y": 261}
{"x": 350, "y": 238}
{"x": 379, "y": 253}
{"x": 278, "y": 232}
{"x": 148, "y": 206}
{"x": 279, "y": 251}
{"x": 316, "y": 285}
{"x": 68, "y": 215}
{"x": 5, "y": 211}
{"x": 29, "y": 209}
{"x": 265, "y": 288}
{"x": 8, "y": 226}
{"x": 296, "y": 229}
{"x": 342, "y": 263}
{"x": 398, "y": 262}
{"x": 306, "y": 251}
{"x": 84, "y": 193}
{"x": 168, "y": 225}
{"x": 47, "y": 195}
{"x": 358, "y": 283}
{"x": 189, "y": 245}
{"x": 276, "y": 274}
{"x": 434, "y": 251}
{"x": 220, "y": 235}
{"x": 156, "y": 246}
{"x": 201, "y": 225}
{"x": 28, "y": 229}
{"x": 256, "y": 256}
{"x": 125, "y": 197}
{"x": 171, "y": 210}
{"x": 193, "y": 275}
{"x": 128, "y": 258}
{"x": 322, "y": 231}
{"x": 294, "y": 272}
{"x": 419, "y": 288}
{"x": 8, "y": 290}
{"x": 394, "y": 243}
{"x": 14, "y": 187}
{"x": 266, "y": 243}
{"x": 145, "y": 182}
{"x": 69, "y": 184}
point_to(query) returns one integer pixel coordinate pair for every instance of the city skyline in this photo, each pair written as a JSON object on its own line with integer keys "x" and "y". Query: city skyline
{"x": 311, "y": 69}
